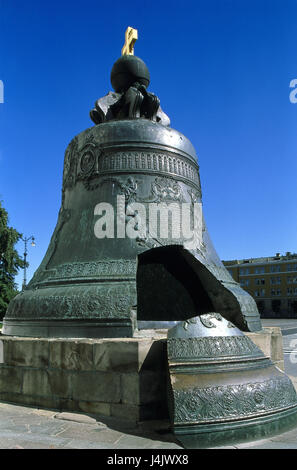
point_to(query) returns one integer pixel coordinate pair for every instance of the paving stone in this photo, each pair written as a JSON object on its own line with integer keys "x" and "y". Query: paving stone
{"x": 47, "y": 413}
{"x": 243, "y": 445}
{"x": 76, "y": 417}
{"x": 165, "y": 445}
{"x": 14, "y": 409}
{"x": 34, "y": 438}
{"x": 226, "y": 447}
{"x": 274, "y": 445}
{"x": 15, "y": 428}
{"x": 5, "y": 423}
{"x": 79, "y": 444}
{"x": 7, "y": 443}
{"x": 23, "y": 444}
{"x": 133, "y": 442}
{"x": 93, "y": 435}
{"x": 27, "y": 419}
{"x": 108, "y": 435}
{"x": 49, "y": 428}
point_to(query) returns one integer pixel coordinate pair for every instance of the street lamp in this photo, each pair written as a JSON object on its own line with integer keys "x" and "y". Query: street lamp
{"x": 26, "y": 240}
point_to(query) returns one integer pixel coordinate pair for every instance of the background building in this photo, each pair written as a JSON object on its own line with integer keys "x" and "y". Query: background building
{"x": 271, "y": 281}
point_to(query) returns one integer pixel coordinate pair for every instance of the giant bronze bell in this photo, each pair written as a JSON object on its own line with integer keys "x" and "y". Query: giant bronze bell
{"x": 120, "y": 259}
{"x": 90, "y": 287}
{"x": 106, "y": 287}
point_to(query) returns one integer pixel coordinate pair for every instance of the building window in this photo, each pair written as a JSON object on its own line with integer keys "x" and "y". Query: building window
{"x": 244, "y": 271}
{"x": 275, "y": 268}
{"x": 275, "y": 292}
{"x": 292, "y": 279}
{"x": 260, "y": 270}
{"x": 292, "y": 267}
{"x": 292, "y": 290}
{"x": 260, "y": 293}
{"x": 260, "y": 282}
{"x": 244, "y": 282}
{"x": 275, "y": 280}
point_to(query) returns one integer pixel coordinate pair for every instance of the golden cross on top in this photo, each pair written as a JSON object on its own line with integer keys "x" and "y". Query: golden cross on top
{"x": 131, "y": 36}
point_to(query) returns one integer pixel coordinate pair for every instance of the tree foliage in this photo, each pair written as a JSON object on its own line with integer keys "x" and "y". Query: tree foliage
{"x": 10, "y": 261}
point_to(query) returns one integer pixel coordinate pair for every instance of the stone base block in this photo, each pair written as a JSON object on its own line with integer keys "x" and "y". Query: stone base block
{"x": 270, "y": 341}
{"x": 121, "y": 377}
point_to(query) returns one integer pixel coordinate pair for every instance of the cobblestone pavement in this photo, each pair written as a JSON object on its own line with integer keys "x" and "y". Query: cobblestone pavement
{"x": 28, "y": 428}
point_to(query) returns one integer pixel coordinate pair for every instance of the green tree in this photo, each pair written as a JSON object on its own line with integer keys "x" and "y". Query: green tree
{"x": 10, "y": 261}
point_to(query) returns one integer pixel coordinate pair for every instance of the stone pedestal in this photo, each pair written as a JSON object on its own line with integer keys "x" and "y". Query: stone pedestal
{"x": 270, "y": 341}
{"x": 124, "y": 378}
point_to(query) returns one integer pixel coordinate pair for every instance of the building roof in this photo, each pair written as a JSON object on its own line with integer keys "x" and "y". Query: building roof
{"x": 262, "y": 260}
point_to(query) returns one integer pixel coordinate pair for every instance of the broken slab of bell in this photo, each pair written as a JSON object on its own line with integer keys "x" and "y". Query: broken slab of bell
{"x": 222, "y": 388}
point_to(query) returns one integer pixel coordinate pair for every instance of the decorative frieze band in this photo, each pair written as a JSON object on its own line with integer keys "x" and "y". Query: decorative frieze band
{"x": 158, "y": 162}
{"x": 200, "y": 405}
{"x": 94, "y": 302}
{"x": 107, "y": 269}
{"x": 214, "y": 347}
{"x": 94, "y": 162}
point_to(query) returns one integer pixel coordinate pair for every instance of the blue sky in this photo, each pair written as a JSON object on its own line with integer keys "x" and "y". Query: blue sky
{"x": 221, "y": 69}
